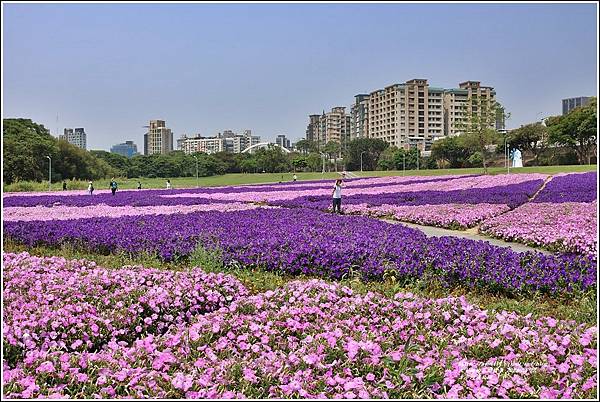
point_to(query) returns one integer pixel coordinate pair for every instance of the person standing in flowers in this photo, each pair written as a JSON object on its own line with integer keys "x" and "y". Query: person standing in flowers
{"x": 337, "y": 196}
{"x": 113, "y": 186}
{"x": 91, "y": 188}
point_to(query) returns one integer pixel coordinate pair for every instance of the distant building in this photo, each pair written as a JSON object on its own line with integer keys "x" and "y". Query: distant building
{"x": 283, "y": 141}
{"x": 359, "y": 117}
{"x": 146, "y": 144}
{"x": 160, "y": 138}
{"x": 572, "y": 103}
{"x": 128, "y": 149}
{"x": 208, "y": 145}
{"x": 332, "y": 126}
{"x": 76, "y": 137}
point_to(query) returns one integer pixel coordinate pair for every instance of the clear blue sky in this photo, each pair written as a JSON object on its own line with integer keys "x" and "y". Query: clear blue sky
{"x": 206, "y": 68}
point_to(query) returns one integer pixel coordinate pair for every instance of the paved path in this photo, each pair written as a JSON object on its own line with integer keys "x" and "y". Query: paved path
{"x": 468, "y": 234}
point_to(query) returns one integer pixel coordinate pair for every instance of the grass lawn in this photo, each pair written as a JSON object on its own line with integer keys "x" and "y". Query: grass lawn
{"x": 255, "y": 178}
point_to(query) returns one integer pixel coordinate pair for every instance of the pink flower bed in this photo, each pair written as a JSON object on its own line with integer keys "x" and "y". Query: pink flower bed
{"x": 51, "y": 303}
{"x": 310, "y": 339}
{"x": 288, "y": 193}
{"x": 459, "y": 216}
{"x": 63, "y": 212}
{"x": 569, "y": 226}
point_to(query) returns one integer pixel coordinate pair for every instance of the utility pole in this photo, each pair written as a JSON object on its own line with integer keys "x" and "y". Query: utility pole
{"x": 361, "y": 160}
{"x": 197, "y": 182}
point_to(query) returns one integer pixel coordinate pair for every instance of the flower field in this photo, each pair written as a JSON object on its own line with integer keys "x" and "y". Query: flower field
{"x": 307, "y": 339}
{"x": 563, "y": 216}
{"x": 75, "y": 329}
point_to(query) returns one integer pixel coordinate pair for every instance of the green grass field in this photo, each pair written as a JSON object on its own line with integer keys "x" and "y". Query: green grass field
{"x": 255, "y": 178}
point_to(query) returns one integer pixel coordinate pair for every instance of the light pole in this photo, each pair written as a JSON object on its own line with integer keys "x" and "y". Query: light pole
{"x": 197, "y": 183}
{"x": 508, "y": 160}
{"x": 323, "y": 157}
{"x": 49, "y": 172}
{"x": 403, "y": 162}
{"x": 417, "y": 158}
{"x": 361, "y": 160}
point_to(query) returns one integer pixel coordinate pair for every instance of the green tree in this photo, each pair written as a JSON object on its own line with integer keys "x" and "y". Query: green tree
{"x": 529, "y": 138}
{"x": 478, "y": 127}
{"x": 576, "y": 130}
{"x": 333, "y": 149}
{"x": 299, "y": 163}
{"x": 449, "y": 152}
{"x": 387, "y": 159}
{"x": 372, "y": 148}
{"x": 306, "y": 146}
{"x": 314, "y": 162}
{"x": 272, "y": 160}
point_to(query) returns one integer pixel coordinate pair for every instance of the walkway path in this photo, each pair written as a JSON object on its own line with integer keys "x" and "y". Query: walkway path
{"x": 432, "y": 231}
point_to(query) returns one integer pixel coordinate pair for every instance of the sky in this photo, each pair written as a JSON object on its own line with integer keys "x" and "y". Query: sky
{"x": 205, "y": 68}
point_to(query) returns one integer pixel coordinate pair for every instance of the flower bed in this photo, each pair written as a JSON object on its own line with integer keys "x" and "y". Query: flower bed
{"x": 313, "y": 339}
{"x": 53, "y": 303}
{"x": 302, "y": 241}
{"x": 563, "y": 217}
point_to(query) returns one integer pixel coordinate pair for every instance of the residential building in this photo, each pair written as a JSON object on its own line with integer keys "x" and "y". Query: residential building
{"x": 458, "y": 105}
{"x": 312, "y": 130}
{"x": 332, "y": 126}
{"x": 160, "y": 138}
{"x": 128, "y": 149}
{"x": 571, "y": 103}
{"x": 283, "y": 141}
{"x": 359, "y": 117}
{"x": 75, "y": 136}
{"x": 209, "y": 145}
{"x": 146, "y": 144}
{"x": 406, "y": 114}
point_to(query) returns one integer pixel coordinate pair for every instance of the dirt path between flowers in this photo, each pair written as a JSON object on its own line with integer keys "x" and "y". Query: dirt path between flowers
{"x": 432, "y": 231}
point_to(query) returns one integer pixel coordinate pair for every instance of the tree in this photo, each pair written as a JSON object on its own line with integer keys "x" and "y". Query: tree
{"x": 372, "y": 148}
{"x": 306, "y": 146}
{"x": 387, "y": 159}
{"x": 478, "y": 127}
{"x": 576, "y": 130}
{"x": 449, "y": 152}
{"x": 529, "y": 138}
{"x": 26, "y": 145}
{"x": 299, "y": 162}
{"x": 332, "y": 149}
{"x": 272, "y": 160}
{"x": 314, "y": 162}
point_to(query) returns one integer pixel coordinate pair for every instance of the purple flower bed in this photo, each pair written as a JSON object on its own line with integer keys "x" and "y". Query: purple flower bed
{"x": 156, "y": 197}
{"x": 311, "y": 242}
{"x": 577, "y": 187}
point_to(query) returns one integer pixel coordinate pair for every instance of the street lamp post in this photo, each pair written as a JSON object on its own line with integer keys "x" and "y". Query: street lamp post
{"x": 403, "y": 162}
{"x": 197, "y": 182}
{"x": 323, "y": 158}
{"x": 361, "y": 160}
{"x": 508, "y": 160}
{"x": 49, "y": 172}
{"x": 417, "y": 158}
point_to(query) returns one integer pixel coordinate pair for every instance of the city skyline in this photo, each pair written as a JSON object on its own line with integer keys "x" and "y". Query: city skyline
{"x": 267, "y": 67}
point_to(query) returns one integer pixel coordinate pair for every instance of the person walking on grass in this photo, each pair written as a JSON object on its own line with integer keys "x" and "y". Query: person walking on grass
{"x": 113, "y": 186}
{"x": 139, "y": 185}
{"x": 168, "y": 184}
{"x": 64, "y": 185}
{"x": 91, "y": 188}
{"x": 295, "y": 177}
{"x": 337, "y": 196}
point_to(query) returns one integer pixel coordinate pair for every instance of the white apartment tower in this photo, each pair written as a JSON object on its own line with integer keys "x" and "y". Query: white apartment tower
{"x": 160, "y": 138}
{"x": 76, "y": 136}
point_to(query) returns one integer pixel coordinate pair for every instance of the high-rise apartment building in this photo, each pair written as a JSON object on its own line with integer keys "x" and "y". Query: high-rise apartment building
{"x": 76, "y": 136}
{"x": 283, "y": 141}
{"x": 312, "y": 130}
{"x": 128, "y": 149}
{"x": 359, "y": 117}
{"x": 160, "y": 138}
{"x": 332, "y": 126}
{"x": 406, "y": 114}
{"x": 463, "y": 101}
{"x": 571, "y": 103}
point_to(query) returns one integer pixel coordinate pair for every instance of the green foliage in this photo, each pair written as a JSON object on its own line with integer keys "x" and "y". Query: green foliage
{"x": 26, "y": 145}
{"x": 450, "y": 152}
{"x": 272, "y": 160}
{"x": 576, "y": 130}
{"x": 529, "y": 138}
{"x": 372, "y": 148}
{"x": 306, "y": 146}
{"x": 478, "y": 132}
